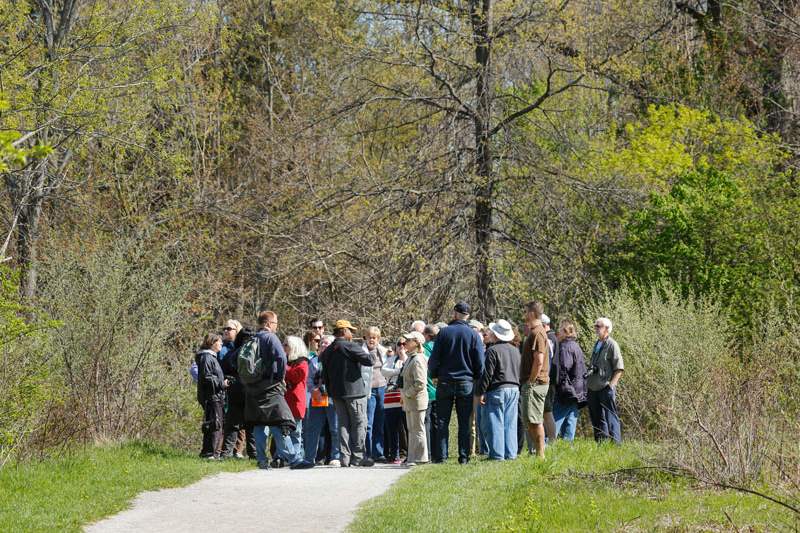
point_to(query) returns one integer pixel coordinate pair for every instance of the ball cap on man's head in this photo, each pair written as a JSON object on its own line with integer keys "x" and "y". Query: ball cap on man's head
{"x": 344, "y": 324}
{"x": 462, "y": 307}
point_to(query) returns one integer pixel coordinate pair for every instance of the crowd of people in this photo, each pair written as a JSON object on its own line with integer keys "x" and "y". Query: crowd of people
{"x": 342, "y": 401}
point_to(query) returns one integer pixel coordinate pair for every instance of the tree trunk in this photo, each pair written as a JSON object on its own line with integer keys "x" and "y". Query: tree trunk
{"x": 28, "y": 232}
{"x": 481, "y": 16}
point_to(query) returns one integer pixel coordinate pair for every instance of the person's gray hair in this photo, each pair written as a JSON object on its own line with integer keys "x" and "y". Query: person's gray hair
{"x": 606, "y": 322}
{"x": 295, "y": 348}
{"x": 441, "y": 325}
{"x": 431, "y": 329}
{"x": 418, "y": 325}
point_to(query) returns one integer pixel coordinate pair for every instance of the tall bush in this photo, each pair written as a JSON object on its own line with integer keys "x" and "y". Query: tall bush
{"x": 120, "y": 307}
{"x": 672, "y": 348}
{"x": 24, "y": 378}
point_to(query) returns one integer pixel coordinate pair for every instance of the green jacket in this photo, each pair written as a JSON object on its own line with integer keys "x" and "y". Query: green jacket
{"x": 428, "y": 347}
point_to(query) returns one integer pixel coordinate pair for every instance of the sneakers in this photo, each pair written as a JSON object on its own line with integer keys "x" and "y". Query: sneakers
{"x": 263, "y": 465}
{"x": 397, "y": 461}
{"x": 277, "y": 463}
{"x": 335, "y": 462}
{"x": 238, "y": 455}
{"x": 302, "y": 465}
{"x": 366, "y": 461}
{"x": 381, "y": 459}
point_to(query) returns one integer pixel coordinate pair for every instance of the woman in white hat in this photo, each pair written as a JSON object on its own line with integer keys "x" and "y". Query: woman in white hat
{"x": 498, "y": 391}
{"x": 415, "y": 397}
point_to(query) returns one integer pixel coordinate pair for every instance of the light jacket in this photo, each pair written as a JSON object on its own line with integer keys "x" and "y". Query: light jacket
{"x": 415, "y": 377}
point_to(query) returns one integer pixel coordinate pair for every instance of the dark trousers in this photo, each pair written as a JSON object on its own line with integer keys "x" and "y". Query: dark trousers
{"x": 394, "y": 422}
{"x": 459, "y": 393}
{"x": 232, "y": 432}
{"x": 603, "y": 414}
{"x": 212, "y": 428}
{"x": 431, "y": 420}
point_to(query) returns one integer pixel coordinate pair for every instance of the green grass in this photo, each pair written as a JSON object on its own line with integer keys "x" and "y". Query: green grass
{"x": 66, "y": 493}
{"x": 571, "y": 490}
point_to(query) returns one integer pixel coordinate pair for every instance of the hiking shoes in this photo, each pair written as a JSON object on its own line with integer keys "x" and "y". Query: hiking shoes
{"x": 277, "y": 463}
{"x": 366, "y": 461}
{"x": 263, "y": 465}
{"x": 302, "y": 465}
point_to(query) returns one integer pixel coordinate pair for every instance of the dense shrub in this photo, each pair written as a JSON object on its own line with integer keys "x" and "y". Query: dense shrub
{"x": 725, "y": 403}
{"x": 116, "y": 370}
{"x": 672, "y": 348}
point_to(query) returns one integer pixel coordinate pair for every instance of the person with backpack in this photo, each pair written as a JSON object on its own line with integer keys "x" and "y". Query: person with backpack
{"x": 570, "y": 385}
{"x": 234, "y": 416}
{"x": 262, "y": 369}
{"x": 211, "y": 384}
{"x": 342, "y": 364}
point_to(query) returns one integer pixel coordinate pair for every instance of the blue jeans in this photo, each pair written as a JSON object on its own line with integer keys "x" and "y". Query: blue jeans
{"x": 260, "y": 434}
{"x": 316, "y": 421}
{"x": 289, "y": 447}
{"x": 499, "y": 422}
{"x": 566, "y": 415}
{"x": 483, "y": 447}
{"x": 603, "y": 414}
{"x": 374, "y": 444}
{"x": 460, "y": 394}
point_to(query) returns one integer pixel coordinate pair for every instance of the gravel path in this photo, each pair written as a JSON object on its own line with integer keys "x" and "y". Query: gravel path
{"x": 280, "y": 496}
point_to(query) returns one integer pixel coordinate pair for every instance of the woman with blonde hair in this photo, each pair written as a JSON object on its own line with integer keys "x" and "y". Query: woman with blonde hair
{"x": 415, "y": 397}
{"x": 377, "y": 386}
{"x": 290, "y": 447}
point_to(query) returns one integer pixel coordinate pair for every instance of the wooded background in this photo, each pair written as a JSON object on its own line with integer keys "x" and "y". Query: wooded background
{"x": 168, "y": 164}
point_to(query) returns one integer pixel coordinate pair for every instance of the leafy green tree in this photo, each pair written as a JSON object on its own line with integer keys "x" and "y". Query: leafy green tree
{"x": 709, "y": 221}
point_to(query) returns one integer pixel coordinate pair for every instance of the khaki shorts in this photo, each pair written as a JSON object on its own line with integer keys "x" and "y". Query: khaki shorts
{"x": 531, "y": 399}
{"x": 549, "y": 399}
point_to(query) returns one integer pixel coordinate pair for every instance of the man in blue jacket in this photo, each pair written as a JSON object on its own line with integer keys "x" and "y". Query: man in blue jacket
{"x": 456, "y": 363}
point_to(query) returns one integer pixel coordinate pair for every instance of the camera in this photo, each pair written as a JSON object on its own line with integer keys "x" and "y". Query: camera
{"x": 592, "y": 370}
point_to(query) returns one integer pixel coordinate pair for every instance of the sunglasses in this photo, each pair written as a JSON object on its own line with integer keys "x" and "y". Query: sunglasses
{"x": 228, "y": 329}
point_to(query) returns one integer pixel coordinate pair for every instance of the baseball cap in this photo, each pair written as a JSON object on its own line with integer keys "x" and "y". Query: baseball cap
{"x": 341, "y": 324}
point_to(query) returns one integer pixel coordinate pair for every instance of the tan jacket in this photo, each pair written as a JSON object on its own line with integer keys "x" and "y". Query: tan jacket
{"x": 415, "y": 380}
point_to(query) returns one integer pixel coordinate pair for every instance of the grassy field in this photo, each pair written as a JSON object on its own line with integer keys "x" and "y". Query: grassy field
{"x": 572, "y": 490}
{"x": 64, "y": 494}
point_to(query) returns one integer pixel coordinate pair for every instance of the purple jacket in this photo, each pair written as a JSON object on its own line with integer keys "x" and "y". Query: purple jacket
{"x": 571, "y": 385}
